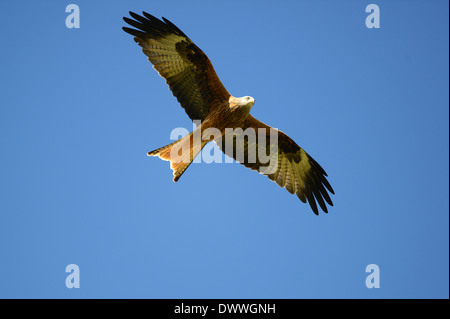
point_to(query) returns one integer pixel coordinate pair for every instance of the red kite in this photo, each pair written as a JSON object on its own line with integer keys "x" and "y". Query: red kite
{"x": 193, "y": 81}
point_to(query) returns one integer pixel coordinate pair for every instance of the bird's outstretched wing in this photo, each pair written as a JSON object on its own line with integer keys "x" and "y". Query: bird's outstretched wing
{"x": 292, "y": 168}
{"x": 187, "y": 70}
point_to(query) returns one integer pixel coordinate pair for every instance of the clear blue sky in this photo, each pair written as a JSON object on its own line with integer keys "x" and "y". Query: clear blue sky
{"x": 80, "y": 108}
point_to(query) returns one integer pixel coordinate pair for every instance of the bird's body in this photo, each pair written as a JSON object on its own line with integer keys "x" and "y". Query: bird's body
{"x": 230, "y": 115}
{"x": 193, "y": 80}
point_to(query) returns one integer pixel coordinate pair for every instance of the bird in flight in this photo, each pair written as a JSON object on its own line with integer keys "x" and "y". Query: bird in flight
{"x": 193, "y": 81}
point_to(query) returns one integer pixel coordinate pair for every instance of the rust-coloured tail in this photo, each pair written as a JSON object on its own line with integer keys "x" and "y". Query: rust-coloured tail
{"x": 180, "y": 154}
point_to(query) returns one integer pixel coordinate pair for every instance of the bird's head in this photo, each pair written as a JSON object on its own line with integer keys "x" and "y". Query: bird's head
{"x": 246, "y": 101}
{"x": 249, "y": 101}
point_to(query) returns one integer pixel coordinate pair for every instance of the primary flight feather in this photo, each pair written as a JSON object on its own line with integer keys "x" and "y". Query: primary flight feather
{"x": 194, "y": 82}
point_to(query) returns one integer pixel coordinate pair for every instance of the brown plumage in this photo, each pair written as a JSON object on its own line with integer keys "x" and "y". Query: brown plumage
{"x": 193, "y": 81}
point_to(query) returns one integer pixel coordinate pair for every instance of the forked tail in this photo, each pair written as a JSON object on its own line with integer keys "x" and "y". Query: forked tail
{"x": 180, "y": 153}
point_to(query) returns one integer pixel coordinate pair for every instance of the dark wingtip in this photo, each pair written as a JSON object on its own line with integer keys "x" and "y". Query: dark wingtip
{"x": 313, "y": 204}
{"x": 149, "y": 25}
{"x": 149, "y": 16}
{"x": 174, "y": 27}
{"x": 133, "y": 32}
{"x": 331, "y": 190}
